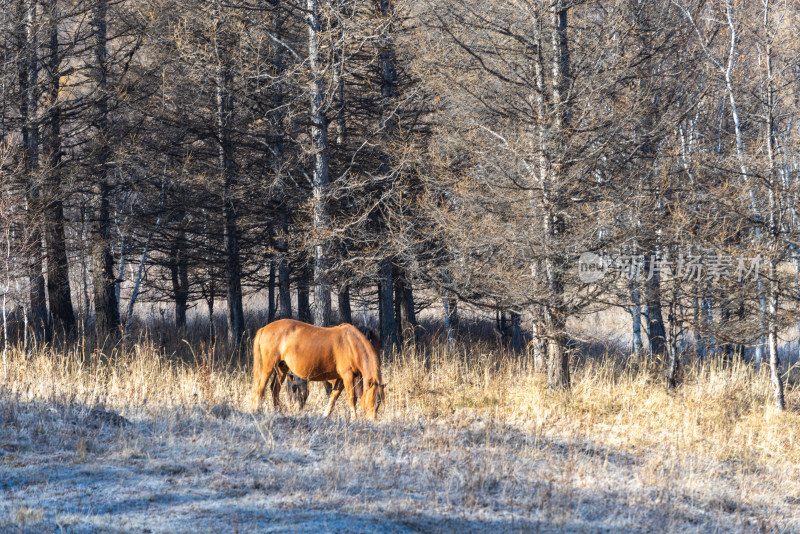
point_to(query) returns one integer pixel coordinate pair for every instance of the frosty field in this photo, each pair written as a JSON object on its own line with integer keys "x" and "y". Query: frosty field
{"x": 467, "y": 442}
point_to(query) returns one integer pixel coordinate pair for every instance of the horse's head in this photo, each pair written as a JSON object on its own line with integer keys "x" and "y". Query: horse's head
{"x": 298, "y": 390}
{"x": 372, "y": 399}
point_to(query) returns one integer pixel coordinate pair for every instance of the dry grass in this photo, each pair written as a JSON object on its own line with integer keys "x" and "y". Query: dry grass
{"x": 469, "y": 440}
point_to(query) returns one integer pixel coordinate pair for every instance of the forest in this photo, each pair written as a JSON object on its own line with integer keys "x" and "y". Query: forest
{"x": 573, "y": 224}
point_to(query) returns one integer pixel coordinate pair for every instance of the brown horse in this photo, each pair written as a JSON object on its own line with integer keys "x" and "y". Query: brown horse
{"x": 338, "y": 354}
{"x": 297, "y": 388}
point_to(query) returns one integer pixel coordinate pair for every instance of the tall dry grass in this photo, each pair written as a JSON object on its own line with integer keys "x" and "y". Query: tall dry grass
{"x": 721, "y": 409}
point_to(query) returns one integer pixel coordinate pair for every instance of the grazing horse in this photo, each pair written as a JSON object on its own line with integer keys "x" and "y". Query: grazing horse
{"x": 308, "y": 352}
{"x": 297, "y": 388}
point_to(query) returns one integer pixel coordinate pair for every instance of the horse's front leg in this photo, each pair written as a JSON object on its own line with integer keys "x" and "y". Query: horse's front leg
{"x": 337, "y": 390}
{"x": 348, "y": 380}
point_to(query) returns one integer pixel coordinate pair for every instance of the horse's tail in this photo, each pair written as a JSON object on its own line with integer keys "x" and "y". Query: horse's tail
{"x": 256, "y": 360}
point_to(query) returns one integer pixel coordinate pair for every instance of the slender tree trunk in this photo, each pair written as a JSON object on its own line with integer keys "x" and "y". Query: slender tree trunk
{"x": 138, "y": 281}
{"x": 121, "y": 273}
{"x": 271, "y": 293}
{"x": 104, "y": 281}
{"x": 61, "y": 312}
{"x": 655, "y": 322}
{"x": 772, "y": 339}
{"x": 340, "y": 124}
{"x": 775, "y": 194}
{"x": 180, "y": 281}
{"x": 636, "y": 319}
{"x": 209, "y": 283}
{"x": 345, "y": 311}
{"x": 538, "y": 345}
{"x": 405, "y": 316}
{"x": 557, "y": 356}
{"x": 29, "y": 110}
{"x": 303, "y": 302}
{"x": 389, "y": 337}
{"x": 516, "y": 332}
{"x": 319, "y": 136}
{"x": 672, "y": 343}
{"x": 5, "y": 332}
{"x": 389, "y": 340}
{"x": 277, "y": 119}
{"x": 233, "y": 276}
{"x": 4, "y": 291}
{"x": 448, "y": 314}
{"x": 284, "y": 287}
{"x": 340, "y": 101}
{"x": 796, "y": 262}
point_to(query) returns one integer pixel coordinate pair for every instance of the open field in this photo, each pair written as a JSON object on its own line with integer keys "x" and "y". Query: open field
{"x": 469, "y": 441}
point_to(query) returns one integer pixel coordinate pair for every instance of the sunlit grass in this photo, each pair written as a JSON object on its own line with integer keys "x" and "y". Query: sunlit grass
{"x": 720, "y": 409}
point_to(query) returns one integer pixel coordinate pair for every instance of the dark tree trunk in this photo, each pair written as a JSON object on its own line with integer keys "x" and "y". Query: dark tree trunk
{"x": 404, "y": 315}
{"x": 655, "y": 322}
{"x": 62, "y": 315}
{"x": 104, "y": 281}
{"x": 233, "y": 276}
{"x": 345, "y": 312}
{"x": 636, "y": 318}
{"x": 271, "y": 293}
{"x": 319, "y": 137}
{"x": 279, "y": 162}
{"x": 539, "y": 346}
{"x": 284, "y": 289}
{"x": 455, "y": 319}
{"x": 340, "y": 124}
{"x": 389, "y": 337}
{"x": 303, "y": 303}
{"x": 516, "y": 332}
{"x": 180, "y": 280}
{"x": 557, "y": 357}
{"x": 38, "y": 296}
{"x": 389, "y": 340}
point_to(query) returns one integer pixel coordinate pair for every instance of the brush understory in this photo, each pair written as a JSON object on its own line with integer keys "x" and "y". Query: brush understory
{"x": 468, "y": 440}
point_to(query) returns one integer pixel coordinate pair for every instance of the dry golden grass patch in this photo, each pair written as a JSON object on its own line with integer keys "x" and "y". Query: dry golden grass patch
{"x": 721, "y": 409}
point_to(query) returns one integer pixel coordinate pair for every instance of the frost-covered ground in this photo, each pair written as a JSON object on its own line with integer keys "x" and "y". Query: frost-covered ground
{"x": 66, "y": 467}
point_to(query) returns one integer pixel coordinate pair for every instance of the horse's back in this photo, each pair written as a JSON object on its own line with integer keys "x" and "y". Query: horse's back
{"x": 313, "y": 352}
{"x": 308, "y": 350}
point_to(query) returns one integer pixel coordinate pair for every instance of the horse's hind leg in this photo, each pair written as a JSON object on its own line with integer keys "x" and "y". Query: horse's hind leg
{"x": 337, "y": 390}
{"x": 261, "y": 374}
{"x": 257, "y": 395}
